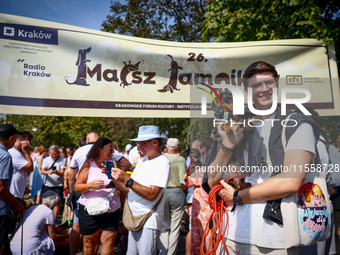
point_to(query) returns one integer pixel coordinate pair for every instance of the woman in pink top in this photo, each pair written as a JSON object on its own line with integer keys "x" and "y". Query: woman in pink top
{"x": 92, "y": 182}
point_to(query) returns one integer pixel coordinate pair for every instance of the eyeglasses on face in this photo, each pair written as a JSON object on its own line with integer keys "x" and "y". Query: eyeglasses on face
{"x": 142, "y": 144}
{"x": 269, "y": 84}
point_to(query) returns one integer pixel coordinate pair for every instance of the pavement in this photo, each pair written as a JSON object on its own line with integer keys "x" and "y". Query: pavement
{"x": 181, "y": 245}
{"x": 180, "y": 251}
{"x": 64, "y": 250}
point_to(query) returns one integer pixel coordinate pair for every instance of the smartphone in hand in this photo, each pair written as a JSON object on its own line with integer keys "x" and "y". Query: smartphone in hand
{"x": 108, "y": 165}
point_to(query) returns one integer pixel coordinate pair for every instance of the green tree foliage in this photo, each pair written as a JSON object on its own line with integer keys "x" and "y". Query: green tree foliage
{"x": 199, "y": 128}
{"x": 252, "y": 20}
{"x": 330, "y": 128}
{"x": 169, "y": 20}
{"x": 123, "y": 129}
{"x": 66, "y": 131}
{"x": 48, "y": 130}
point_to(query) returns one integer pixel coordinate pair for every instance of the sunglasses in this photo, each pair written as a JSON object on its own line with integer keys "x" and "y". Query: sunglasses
{"x": 143, "y": 144}
{"x": 111, "y": 149}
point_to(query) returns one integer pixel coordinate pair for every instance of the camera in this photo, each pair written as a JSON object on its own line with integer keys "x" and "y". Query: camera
{"x": 54, "y": 168}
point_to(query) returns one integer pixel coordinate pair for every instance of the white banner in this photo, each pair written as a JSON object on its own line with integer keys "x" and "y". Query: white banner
{"x": 48, "y": 68}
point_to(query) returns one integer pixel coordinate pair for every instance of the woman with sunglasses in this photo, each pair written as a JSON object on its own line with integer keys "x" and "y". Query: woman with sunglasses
{"x": 92, "y": 182}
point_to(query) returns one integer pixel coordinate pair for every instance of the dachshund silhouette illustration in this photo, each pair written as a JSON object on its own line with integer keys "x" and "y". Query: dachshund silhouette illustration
{"x": 81, "y": 63}
{"x": 126, "y": 70}
{"x": 172, "y": 85}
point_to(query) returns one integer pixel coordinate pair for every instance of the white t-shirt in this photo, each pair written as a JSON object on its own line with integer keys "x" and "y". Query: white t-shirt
{"x": 126, "y": 155}
{"x": 54, "y": 180}
{"x": 116, "y": 155}
{"x": 246, "y": 223}
{"x": 19, "y": 178}
{"x": 155, "y": 172}
{"x": 133, "y": 154}
{"x": 79, "y": 157}
{"x": 35, "y": 236}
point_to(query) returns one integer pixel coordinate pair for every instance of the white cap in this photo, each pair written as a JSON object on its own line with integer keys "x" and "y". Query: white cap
{"x": 128, "y": 147}
{"x": 172, "y": 142}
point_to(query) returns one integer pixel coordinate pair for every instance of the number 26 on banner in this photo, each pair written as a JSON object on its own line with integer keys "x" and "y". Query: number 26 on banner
{"x": 199, "y": 57}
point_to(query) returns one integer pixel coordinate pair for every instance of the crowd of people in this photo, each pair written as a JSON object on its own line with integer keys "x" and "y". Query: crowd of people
{"x": 145, "y": 194}
{"x": 57, "y": 178}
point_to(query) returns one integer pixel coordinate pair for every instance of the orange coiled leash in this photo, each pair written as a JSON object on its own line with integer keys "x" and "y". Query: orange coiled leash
{"x": 219, "y": 208}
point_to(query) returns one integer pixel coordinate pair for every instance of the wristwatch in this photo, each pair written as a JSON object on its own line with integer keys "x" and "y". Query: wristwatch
{"x": 129, "y": 183}
{"x": 236, "y": 199}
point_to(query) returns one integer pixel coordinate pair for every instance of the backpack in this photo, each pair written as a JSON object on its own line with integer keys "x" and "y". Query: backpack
{"x": 333, "y": 171}
{"x": 307, "y": 214}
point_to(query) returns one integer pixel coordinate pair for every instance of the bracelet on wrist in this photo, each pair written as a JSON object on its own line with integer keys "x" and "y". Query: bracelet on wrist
{"x": 226, "y": 148}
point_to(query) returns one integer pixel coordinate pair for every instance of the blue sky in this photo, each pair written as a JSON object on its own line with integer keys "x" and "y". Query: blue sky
{"x": 81, "y": 13}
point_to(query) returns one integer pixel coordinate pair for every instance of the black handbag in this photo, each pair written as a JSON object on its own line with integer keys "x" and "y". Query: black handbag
{"x": 72, "y": 200}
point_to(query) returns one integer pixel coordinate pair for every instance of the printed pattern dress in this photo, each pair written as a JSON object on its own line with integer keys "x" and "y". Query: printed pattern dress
{"x": 200, "y": 215}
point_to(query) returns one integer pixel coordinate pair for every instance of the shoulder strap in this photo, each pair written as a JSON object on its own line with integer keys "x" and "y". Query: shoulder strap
{"x": 136, "y": 170}
{"x": 327, "y": 149}
{"x": 47, "y": 176}
{"x": 316, "y": 160}
{"x": 154, "y": 208}
{"x": 53, "y": 163}
{"x": 158, "y": 202}
{"x": 283, "y": 135}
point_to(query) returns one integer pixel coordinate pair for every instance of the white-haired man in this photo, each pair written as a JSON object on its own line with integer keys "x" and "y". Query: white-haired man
{"x": 54, "y": 167}
{"x": 145, "y": 189}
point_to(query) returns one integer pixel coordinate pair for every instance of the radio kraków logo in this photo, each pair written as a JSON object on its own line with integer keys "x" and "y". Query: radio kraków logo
{"x": 36, "y": 70}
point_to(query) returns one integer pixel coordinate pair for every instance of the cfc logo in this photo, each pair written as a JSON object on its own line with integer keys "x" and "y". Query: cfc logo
{"x": 294, "y": 79}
